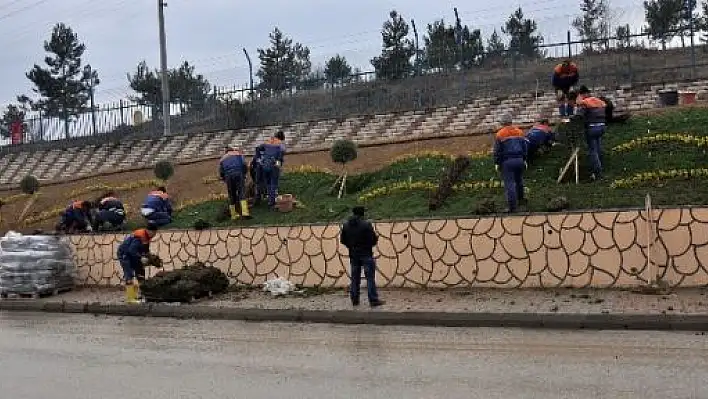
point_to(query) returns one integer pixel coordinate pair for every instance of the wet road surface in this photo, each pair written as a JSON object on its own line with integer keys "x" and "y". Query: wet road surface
{"x": 75, "y": 357}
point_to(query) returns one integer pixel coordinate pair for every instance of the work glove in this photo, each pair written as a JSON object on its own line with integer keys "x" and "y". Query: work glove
{"x": 144, "y": 260}
{"x": 526, "y": 165}
{"x": 277, "y": 164}
{"x": 496, "y": 167}
{"x": 89, "y": 229}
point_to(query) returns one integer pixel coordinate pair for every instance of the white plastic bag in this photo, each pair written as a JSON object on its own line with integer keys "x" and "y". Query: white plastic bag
{"x": 279, "y": 286}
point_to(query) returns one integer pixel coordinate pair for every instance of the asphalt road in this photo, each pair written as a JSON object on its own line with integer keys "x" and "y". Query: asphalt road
{"x": 75, "y": 357}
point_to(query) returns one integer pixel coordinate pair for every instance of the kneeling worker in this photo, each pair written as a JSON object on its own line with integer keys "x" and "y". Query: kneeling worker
{"x": 232, "y": 171}
{"x": 76, "y": 218}
{"x": 157, "y": 208}
{"x": 510, "y": 153}
{"x": 540, "y": 138}
{"x": 110, "y": 211}
{"x": 133, "y": 256}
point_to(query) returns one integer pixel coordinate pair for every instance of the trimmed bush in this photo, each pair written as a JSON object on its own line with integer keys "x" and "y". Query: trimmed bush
{"x": 164, "y": 170}
{"x": 29, "y": 184}
{"x": 343, "y": 151}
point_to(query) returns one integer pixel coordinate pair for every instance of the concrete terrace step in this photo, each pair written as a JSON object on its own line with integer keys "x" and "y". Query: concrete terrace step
{"x": 478, "y": 114}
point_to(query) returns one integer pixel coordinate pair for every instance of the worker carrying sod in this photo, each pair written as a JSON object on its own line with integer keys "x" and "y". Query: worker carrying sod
{"x": 133, "y": 255}
{"x": 110, "y": 213}
{"x": 510, "y": 154}
{"x": 593, "y": 112}
{"x": 540, "y": 137}
{"x": 157, "y": 208}
{"x": 272, "y": 156}
{"x": 232, "y": 171}
{"x": 565, "y": 77}
{"x": 76, "y": 218}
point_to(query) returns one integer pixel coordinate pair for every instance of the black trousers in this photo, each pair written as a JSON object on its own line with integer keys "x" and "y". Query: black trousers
{"x": 236, "y": 187}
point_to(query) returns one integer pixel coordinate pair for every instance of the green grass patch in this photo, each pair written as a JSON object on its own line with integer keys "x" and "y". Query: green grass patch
{"x": 313, "y": 189}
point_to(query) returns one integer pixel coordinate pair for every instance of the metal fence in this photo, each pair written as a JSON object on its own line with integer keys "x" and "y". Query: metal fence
{"x": 608, "y": 62}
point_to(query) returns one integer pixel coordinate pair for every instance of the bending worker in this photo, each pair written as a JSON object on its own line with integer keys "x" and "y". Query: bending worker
{"x": 540, "y": 138}
{"x": 565, "y": 77}
{"x": 510, "y": 153}
{"x": 132, "y": 255}
{"x": 110, "y": 211}
{"x": 232, "y": 171}
{"x": 272, "y": 155}
{"x": 592, "y": 110}
{"x": 157, "y": 208}
{"x": 76, "y": 218}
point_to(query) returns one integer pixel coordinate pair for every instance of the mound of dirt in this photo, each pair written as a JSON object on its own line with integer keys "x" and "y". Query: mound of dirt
{"x": 185, "y": 285}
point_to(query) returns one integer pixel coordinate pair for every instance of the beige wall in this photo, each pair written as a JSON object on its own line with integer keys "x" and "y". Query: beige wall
{"x": 604, "y": 249}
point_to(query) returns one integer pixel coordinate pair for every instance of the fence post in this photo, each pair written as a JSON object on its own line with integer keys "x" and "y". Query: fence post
{"x": 122, "y": 117}
{"x": 41, "y": 126}
{"x": 570, "y": 47}
{"x": 629, "y": 55}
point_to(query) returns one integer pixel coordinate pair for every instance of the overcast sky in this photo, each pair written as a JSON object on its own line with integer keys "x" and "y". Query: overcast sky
{"x": 211, "y": 33}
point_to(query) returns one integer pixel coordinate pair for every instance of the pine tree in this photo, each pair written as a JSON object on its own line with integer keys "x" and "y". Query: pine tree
{"x": 688, "y": 16}
{"x": 522, "y": 34}
{"x": 63, "y": 86}
{"x": 187, "y": 87}
{"x": 337, "y": 70}
{"x": 593, "y": 25}
{"x": 447, "y": 47}
{"x": 495, "y": 46}
{"x": 395, "y": 59}
{"x": 663, "y": 18}
{"x": 283, "y": 64}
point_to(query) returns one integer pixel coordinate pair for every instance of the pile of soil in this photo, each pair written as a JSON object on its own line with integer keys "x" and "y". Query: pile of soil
{"x": 185, "y": 285}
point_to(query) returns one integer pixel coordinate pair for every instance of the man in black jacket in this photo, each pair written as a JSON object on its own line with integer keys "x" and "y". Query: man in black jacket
{"x": 359, "y": 237}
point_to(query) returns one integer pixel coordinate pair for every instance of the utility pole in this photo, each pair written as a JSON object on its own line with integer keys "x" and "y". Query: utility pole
{"x": 161, "y": 4}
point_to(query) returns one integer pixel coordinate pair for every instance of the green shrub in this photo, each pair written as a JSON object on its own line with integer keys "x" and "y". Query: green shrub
{"x": 164, "y": 170}
{"x": 29, "y": 184}
{"x": 343, "y": 151}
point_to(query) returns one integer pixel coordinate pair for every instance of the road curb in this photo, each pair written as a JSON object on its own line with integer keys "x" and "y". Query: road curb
{"x": 692, "y": 322}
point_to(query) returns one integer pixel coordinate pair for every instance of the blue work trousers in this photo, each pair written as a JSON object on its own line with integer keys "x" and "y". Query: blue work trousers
{"x": 513, "y": 176}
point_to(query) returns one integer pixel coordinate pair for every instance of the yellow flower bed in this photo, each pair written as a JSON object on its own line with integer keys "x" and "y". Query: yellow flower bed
{"x": 14, "y": 198}
{"x": 121, "y": 187}
{"x": 211, "y": 197}
{"x": 428, "y": 186}
{"x": 698, "y": 141}
{"x": 306, "y": 169}
{"x": 439, "y": 154}
{"x": 659, "y": 175}
{"x": 55, "y": 213}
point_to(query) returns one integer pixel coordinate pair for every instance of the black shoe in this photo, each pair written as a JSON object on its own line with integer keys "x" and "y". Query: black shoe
{"x": 377, "y": 303}
{"x": 355, "y": 301}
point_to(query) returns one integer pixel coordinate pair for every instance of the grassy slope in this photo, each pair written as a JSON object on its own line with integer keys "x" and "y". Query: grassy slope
{"x": 312, "y": 188}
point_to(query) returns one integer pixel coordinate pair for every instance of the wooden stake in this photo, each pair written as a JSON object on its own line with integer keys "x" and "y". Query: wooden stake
{"x": 344, "y": 183}
{"x": 573, "y": 159}
{"x": 650, "y": 240}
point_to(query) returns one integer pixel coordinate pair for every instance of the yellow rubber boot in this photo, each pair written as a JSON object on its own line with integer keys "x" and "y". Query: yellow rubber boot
{"x": 234, "y": 214}
{"x": 244, "y": 209}
{"x": 131, "y": 294}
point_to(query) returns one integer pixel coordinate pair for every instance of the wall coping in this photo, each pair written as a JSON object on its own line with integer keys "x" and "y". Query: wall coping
{"x": 432, "y": 219}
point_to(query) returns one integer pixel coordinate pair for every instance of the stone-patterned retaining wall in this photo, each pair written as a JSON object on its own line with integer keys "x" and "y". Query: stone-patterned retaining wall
{"x": 600, "y": 249}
